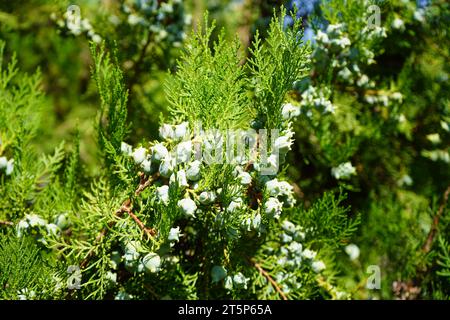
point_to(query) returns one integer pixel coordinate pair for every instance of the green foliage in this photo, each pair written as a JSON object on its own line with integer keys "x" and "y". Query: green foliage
{"x": 327, "y": 228}
{"x": 113, "y": 96}
{"x": 329, "y": 221}
{"x": 209, "y": 86}
{"x": 19, "y": 105}
{"x": 444, "y": 259}
{"x": 26, "y": 271}
{"x": 275, "y": 67}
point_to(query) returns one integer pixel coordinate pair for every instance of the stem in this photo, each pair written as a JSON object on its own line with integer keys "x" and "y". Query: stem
{"x": 149, "y": 231}
{"x": 271, "y": 280}
{"x": 6, "y": 223}
{"x": 411, "y": 289}
{"x": 434, "y": 228}
{"x": 125, "y": 207}
{"x": 145, "y": 183}
{"x": 150, "y": 289}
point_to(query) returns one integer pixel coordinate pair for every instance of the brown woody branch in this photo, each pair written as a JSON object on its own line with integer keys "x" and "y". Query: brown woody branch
{"x": 125, "y": 207}
{"x": 145, "y": 182}
{"x": 434, "y": 227}
{"x": 6, "y": 223}
{"x": 271, "y": 280}
{"x": 149, "y": 231}
{"x": 411, "y": 289}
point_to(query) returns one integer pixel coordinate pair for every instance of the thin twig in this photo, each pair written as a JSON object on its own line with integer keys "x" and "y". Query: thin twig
{"x": 6, "y": 223}
{"x": 125, "y": 207}
{"x": 268, "y": 277}
{"x": 145, "y": 182}
{"x": 253, "y": 155}
{"x": 150, "y": 289}
{"x": 297, "y": 190}
{"x": 427, "y": 246}
{"x": 149, "y": 231}
{"x": 410, "y": 289}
